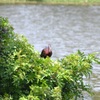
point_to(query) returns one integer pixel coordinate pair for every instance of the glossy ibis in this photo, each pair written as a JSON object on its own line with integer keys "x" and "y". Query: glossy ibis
{"x": 46, "y": 52}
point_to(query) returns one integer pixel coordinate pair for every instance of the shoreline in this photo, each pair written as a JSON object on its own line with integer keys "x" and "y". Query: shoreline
{"x": 50, "y": 3}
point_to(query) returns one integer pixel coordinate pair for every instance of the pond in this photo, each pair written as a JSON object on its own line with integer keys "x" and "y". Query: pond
{"x": 66, "y": 28}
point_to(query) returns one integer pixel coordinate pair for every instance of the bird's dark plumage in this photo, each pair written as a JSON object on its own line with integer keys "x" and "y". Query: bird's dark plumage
{"x": 46, "y": 52}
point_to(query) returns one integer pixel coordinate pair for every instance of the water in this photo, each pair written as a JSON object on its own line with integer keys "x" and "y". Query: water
{"x": 66, "y": 28}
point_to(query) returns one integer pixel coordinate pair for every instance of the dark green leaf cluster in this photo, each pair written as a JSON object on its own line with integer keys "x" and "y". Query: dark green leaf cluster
{"x": 26, "y": 76}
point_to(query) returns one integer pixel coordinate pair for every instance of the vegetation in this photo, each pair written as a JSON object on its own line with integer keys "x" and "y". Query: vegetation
{"x": 26, "y": 76}
{"x": 53, "y": 1}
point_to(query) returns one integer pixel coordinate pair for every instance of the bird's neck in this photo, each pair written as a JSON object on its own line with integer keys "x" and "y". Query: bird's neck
{"x": 49, "y": 48}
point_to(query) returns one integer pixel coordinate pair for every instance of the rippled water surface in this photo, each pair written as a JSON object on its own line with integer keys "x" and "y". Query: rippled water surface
{"x": 66, "y": 28}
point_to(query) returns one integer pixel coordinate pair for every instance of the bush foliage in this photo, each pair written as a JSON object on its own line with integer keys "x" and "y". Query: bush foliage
{"x": 26, "y": 76}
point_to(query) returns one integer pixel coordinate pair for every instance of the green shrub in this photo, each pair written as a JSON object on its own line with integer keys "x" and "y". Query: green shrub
{"x": 26, "y": 76}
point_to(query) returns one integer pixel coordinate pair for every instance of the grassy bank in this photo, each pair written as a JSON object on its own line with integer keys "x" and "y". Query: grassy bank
{"x": 82, "y": 2}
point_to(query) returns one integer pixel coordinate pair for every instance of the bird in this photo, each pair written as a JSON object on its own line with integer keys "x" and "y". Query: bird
{"x": 46, "y": 52}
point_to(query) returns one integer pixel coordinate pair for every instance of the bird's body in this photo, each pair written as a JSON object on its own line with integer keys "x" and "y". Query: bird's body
{"x": 46, "y": 52}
